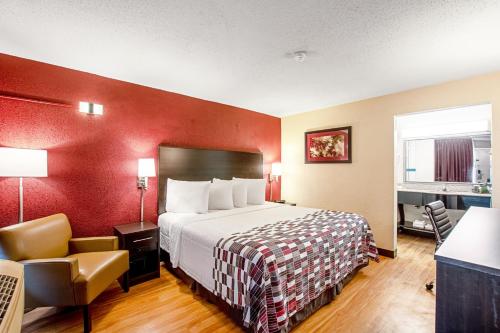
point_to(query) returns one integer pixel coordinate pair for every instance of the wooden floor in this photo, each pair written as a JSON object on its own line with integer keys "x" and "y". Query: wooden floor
{"x": 389, "y": 296}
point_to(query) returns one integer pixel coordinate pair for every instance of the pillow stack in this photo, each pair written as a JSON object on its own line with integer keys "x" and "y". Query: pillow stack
{"x": 239, "y": 191}
{"x": 256, "y": 190}
{"x": 187, "y": 196}
{"x": 220, "y": 196}
{"x": 201, "y": 196}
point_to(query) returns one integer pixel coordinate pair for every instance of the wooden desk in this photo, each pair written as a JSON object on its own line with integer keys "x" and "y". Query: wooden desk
{"x": 468, "y": 274}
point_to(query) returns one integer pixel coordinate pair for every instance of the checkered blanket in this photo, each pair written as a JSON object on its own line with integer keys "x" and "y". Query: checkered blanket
{"x": 273, "y": 271}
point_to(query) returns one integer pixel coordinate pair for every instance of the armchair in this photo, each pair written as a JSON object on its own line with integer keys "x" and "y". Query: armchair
{"x": 60, "y": 270}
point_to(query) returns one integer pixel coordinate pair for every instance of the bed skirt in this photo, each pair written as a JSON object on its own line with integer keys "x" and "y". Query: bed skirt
{"x": 237, "y": 314}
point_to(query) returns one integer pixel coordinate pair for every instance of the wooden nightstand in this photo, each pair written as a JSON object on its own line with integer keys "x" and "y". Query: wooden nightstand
{"x": 142, "y": 242}
{"x": 283, "y": 202}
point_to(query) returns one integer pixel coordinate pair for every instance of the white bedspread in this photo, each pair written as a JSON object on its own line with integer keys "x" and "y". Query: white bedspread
{"x": 190, "y": 238}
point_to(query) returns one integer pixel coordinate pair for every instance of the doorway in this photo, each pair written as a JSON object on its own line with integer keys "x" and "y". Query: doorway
{"x": 441, "y": 155}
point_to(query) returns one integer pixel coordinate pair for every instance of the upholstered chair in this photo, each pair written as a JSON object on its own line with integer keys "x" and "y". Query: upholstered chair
{"x": 441, "y": 225}
{"x": 60, "y": 270}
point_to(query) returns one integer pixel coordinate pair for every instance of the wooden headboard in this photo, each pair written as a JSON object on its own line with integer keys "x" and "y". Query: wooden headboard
{"x": 204, "y": 164}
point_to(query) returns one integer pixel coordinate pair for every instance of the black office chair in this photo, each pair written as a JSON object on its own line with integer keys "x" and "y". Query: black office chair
{"x": 440, "y": 224}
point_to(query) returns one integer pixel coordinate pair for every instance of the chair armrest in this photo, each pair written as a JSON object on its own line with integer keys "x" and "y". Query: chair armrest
{"x": 49, "y": 282}
{"x": 63, "y": 266}
{"x": 93, "y": 244}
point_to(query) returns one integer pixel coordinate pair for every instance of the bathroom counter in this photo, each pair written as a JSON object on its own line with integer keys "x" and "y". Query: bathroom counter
{"x": 441, "y": 192}
{"x": 457, "y": 200}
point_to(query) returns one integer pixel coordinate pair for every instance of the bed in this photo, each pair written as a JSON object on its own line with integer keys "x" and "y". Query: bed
{"x": 267, "y": 266}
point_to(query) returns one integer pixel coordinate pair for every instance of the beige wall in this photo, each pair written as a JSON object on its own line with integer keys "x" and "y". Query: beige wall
{"x": 367, "y": 185}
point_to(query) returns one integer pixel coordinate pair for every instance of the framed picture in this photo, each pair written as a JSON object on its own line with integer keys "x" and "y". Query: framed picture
{"x": 331, "y": 145}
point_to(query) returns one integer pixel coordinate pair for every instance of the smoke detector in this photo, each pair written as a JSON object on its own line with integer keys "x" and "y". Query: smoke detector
{"x": 299, "y": 56}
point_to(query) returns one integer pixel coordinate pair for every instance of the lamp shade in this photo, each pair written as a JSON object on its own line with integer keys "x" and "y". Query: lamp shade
{"x": 16, "y": 162}
{"x": 146, "y": 167}
{"x": 276, "y": 169}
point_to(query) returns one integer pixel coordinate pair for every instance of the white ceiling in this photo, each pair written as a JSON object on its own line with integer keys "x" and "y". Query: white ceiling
{"x": 234, "y": 51}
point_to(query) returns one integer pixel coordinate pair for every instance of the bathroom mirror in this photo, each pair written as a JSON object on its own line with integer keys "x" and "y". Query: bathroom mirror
{"x": 457, "y": 159}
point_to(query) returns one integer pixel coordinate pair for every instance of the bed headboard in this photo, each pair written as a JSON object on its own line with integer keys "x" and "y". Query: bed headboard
{"x": 204, "y": 164}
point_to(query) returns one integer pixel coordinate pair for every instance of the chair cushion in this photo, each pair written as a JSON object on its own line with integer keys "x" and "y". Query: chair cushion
{"x": 97, "y": 271}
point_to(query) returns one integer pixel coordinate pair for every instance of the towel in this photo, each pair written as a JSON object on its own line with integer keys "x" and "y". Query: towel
{"x": 418, "y": 224}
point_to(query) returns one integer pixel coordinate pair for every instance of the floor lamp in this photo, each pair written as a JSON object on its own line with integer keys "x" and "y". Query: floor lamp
{"x": 22, "y": 163}
{"x": 146, "y": 168}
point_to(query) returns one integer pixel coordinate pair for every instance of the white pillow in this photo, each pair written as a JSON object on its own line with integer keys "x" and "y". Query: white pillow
{"x": 256, "y": 190}
{"x": 239, "y": 192}
{"x": 221, "y": 196}
{"x": 187, "y": 196}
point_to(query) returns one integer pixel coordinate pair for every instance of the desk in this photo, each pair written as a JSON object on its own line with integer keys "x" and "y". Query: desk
{"x": 468, "y": 274}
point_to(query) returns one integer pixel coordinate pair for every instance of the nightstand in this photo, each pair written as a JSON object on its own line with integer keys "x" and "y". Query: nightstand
{"x": 283, "y": 202}
{"x": 142, "y": 242}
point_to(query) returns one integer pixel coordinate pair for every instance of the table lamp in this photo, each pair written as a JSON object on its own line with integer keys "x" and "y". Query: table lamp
{"x": 22, "y": 163}
{"x": 274, "y": 176}
{"x": 146, "y": 168}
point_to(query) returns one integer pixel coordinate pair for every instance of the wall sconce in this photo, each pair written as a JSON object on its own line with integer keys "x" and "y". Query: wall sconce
{"x": 274, "y": 176}
{"x": 146, "y": 168}
{"x": 91, "y": 108}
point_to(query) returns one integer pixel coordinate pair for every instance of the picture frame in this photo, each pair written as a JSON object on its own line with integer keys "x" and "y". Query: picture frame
{"x": 331, "y": 145}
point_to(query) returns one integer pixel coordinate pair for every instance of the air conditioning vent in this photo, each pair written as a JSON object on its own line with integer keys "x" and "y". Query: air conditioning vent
{"x": 11, "y": 296}
{"x": 7, "y": 288}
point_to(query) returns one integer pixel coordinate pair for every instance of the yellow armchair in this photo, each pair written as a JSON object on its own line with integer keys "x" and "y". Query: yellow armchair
{"x": 60, "y": 270}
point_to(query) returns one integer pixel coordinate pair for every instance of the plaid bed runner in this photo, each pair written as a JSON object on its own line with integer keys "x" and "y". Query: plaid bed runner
{"x": 273, "y": 271}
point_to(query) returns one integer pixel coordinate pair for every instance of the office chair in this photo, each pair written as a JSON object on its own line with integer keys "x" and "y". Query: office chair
{"x": 440, "y": 224}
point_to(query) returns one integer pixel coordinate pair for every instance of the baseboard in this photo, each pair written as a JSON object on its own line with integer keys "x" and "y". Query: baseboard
{"x": 387, "y": 253}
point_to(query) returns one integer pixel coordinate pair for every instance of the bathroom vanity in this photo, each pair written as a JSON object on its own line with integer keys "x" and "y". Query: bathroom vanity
{"x": 453, "y": 200}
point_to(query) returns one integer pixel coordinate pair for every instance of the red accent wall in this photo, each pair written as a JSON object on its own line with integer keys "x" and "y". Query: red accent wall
{"x": 92, "y": 160}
